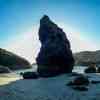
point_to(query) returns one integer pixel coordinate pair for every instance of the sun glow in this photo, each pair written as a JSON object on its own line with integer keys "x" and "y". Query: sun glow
{"x": 27, "y": 44}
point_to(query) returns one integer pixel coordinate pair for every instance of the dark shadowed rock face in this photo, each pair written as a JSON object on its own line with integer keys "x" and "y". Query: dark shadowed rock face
{"x": 29, "y": 75}
{"x": 55, "y": 56}
{"x": 90, "y": 70}
{"x": 80, "y": 83}
{"x": 98, "y": 69}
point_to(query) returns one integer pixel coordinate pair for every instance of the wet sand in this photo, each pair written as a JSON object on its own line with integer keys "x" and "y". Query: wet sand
{"x": 47, "y": 89}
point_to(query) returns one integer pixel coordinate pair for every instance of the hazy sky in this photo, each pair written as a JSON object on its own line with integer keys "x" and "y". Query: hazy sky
{"x": 19, "y": 22}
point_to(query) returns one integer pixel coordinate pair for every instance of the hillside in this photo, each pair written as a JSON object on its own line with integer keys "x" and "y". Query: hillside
{"x": 87, "y": 57}
{"x": 12, "y": 61}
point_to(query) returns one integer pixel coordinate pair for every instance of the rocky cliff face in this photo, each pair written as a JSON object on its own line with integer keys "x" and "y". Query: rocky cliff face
{"x": 55, "y": 55}
{"x": 87, "y": 57}
{"x": 12, "y": 61}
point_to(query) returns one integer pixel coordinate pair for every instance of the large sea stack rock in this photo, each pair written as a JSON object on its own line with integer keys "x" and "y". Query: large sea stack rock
{"x": 55, "y": 56}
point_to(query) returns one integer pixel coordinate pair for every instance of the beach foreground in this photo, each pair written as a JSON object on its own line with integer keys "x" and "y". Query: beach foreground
{"x": 54, "y": 88}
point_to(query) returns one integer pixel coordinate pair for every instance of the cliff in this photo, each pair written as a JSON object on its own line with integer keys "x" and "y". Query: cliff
{"x": 12, "y": 61}
{"x": 87, "y": 57}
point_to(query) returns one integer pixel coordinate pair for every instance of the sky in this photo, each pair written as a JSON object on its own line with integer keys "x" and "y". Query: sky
{"x": 19, "y": 24}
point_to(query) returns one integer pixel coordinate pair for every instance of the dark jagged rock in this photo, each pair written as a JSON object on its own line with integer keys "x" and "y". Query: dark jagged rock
{"x": 98, "y": 70}
{"x": 12, "y": 61}
{"x": 79, "y": 81}
{"x": 29, "y": 75}
{"x": 90, "y": 70}
{"x": 55, "y": 56}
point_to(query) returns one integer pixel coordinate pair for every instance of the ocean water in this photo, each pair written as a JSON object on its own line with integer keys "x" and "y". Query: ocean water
{"x": 79, "y": 69}
{"x": 15, "y": 75}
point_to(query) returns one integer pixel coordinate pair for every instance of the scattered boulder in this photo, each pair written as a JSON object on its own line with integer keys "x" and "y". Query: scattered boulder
{"x": 4, "y": 69}
{"x": 55, "y": 56}
{"x": 90, "y": 70}
{"x": 98, "y": 70}
{"x": 79, "y": 83}
{"x": 80, "y": 80}
{"x": 29, "y": 75}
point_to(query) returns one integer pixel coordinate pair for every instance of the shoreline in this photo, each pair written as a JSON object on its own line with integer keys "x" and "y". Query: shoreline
{"x": 53, "y": 88}
{"x": 15, "y": 75}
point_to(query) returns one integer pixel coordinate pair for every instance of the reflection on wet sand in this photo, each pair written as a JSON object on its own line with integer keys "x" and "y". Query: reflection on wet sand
{"x": 7, "y": 78}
